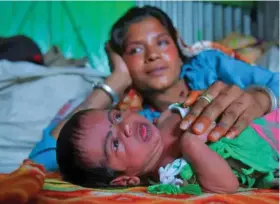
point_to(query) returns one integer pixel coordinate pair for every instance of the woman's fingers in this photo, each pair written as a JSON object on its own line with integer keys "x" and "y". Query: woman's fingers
{"x": 242, "y": 122}
{"x": 229, "y": 117}
{"x": 215, "y": 109}
{"x": 205, "y": 136}
{"x": 200, "y": 104}
{"x": 244, "y": 119}
{"x": 192, "y": 97}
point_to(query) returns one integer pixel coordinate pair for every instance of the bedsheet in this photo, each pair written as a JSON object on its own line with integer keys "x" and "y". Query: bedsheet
{"x": 31, "y": 184}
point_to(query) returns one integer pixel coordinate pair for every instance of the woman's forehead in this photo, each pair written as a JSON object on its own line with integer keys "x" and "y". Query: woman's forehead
{"x": 149, "y": 24}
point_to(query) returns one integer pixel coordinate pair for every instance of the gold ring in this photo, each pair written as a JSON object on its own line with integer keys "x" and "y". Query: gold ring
{"x": 207, "y": 97}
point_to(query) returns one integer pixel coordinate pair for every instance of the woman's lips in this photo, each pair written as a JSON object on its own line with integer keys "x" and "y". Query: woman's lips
{"x": 157, "y": 71}
{"x": 145, "y": 132}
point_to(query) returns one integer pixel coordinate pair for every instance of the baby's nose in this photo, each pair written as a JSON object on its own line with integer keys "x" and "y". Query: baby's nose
{"x": 127, "y": 130}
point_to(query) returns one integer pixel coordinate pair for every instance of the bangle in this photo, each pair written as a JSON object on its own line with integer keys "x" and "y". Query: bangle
{"x": 269, "y": 92}
{"x": 179, "y": 108}
{"x": 108, "y": 90}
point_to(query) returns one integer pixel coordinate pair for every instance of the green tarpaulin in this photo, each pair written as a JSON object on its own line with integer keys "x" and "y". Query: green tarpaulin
{"x": 78, "y": 28}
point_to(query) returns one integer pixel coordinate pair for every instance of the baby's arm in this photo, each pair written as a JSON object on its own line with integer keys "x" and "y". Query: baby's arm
{"x": 212, "y": 172}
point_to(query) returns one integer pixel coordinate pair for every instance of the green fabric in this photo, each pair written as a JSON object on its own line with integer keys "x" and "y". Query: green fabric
{"x": 248, "y": 148}
{"x": 79, "y": 28}
{"x": 193, "y": 189}
{"x": 186, "y": 173}
{"x": 251, "y": 150}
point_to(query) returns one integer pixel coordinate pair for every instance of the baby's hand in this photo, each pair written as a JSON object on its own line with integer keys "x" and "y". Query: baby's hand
{"x": 203, "y": 137}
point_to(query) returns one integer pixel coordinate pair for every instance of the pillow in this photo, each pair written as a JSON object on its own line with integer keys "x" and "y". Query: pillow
{"x": 237, "y": 41}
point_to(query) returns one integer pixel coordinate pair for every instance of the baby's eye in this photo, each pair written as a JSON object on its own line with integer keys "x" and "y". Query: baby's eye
{"x": 115, "y": 144}
{"x": 117, "y": 117}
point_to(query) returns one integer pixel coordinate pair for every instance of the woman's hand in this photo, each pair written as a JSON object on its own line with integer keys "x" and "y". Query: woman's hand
{"x": 118, "y": 66}
{"x": 234, "y": 107}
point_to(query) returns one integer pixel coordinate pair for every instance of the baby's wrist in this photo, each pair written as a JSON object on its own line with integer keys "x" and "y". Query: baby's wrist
{"x": 187, "y": 138}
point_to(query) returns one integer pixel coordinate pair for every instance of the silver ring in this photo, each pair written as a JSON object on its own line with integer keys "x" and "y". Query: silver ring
{"x": 207, "y": 97}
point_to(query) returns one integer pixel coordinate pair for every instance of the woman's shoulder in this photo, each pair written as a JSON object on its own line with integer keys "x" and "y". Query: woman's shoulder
{"x": 209, "y": 55}
{"x": 200, "y": 71}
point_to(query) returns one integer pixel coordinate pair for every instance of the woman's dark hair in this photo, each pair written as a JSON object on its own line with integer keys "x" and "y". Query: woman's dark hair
{"x": 69, "y": 160}
{"x": 137, "y": 14}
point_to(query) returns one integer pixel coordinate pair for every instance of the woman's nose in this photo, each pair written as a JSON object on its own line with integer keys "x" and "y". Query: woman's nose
{"x": 151, "y": 54}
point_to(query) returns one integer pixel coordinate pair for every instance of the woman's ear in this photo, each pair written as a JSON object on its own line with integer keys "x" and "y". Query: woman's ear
{"x": 125, "y": 181}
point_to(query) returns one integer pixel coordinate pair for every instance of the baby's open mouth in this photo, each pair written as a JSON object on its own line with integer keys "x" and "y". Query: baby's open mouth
{"x": 145, "y": 132}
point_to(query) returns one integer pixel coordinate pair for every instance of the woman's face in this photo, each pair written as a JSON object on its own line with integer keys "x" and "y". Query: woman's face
{"x": 122, "y": 141}
{"x": 151, "y": 56}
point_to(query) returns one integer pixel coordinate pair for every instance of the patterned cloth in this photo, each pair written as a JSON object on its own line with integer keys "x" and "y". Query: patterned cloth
{"x": 31, "y": 184}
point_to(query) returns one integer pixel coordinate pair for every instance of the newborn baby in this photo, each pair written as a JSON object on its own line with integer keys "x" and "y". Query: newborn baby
{"x": 116, "y": 148}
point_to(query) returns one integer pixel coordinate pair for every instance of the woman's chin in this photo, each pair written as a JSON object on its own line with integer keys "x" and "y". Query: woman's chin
{"x": 159, "y": 86}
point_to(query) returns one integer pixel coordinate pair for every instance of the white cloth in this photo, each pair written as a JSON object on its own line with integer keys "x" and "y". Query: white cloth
{"x": 30, "y": 96}
{"x": 167, "y": 174}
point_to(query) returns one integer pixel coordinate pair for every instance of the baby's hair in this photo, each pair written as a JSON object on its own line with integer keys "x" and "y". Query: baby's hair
{"x": 137, "y": 14}
{"x": 69, "y": 159}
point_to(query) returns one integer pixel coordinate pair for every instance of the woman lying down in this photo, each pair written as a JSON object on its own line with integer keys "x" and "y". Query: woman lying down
{"x": 114, "y": 148}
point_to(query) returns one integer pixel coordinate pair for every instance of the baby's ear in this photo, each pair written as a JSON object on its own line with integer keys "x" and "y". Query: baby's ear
{"x": 125, "y": 181}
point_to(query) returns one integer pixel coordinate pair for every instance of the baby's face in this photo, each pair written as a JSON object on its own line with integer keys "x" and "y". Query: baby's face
{"x": 122, "y": 141}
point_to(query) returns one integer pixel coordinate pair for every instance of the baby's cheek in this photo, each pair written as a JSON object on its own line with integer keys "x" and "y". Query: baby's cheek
{"x": 121, "y": 149}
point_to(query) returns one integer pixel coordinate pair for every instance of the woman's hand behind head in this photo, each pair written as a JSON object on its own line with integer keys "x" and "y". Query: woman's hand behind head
{"x": 117, "y": 65}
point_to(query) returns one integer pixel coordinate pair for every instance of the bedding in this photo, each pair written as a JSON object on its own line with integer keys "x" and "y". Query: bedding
{"x": 30, "y": 95}
{"x": 31, "y": 184}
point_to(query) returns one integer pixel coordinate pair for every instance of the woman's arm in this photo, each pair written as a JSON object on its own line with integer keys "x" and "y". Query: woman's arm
{"x": 212, "y": 172}
{"x": 97, "y": 99}
{"x": 212, "y": 65}
{"x": 119, "y": 81}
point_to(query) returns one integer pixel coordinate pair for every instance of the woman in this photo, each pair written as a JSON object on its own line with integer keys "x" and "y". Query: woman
{"x": 144, "y": 53}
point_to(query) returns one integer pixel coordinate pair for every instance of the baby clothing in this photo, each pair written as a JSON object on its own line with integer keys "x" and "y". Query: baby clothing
{"x": 253, "y": 156}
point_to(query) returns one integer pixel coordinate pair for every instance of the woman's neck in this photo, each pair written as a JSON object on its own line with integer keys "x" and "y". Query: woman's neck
{"x": 176, "y": 93}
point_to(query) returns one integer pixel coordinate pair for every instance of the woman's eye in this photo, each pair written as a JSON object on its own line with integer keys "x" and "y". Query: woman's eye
{"x": 163, "y": 42}
{"x": 134, "y": 51}
{"x": 115, "y": 144}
